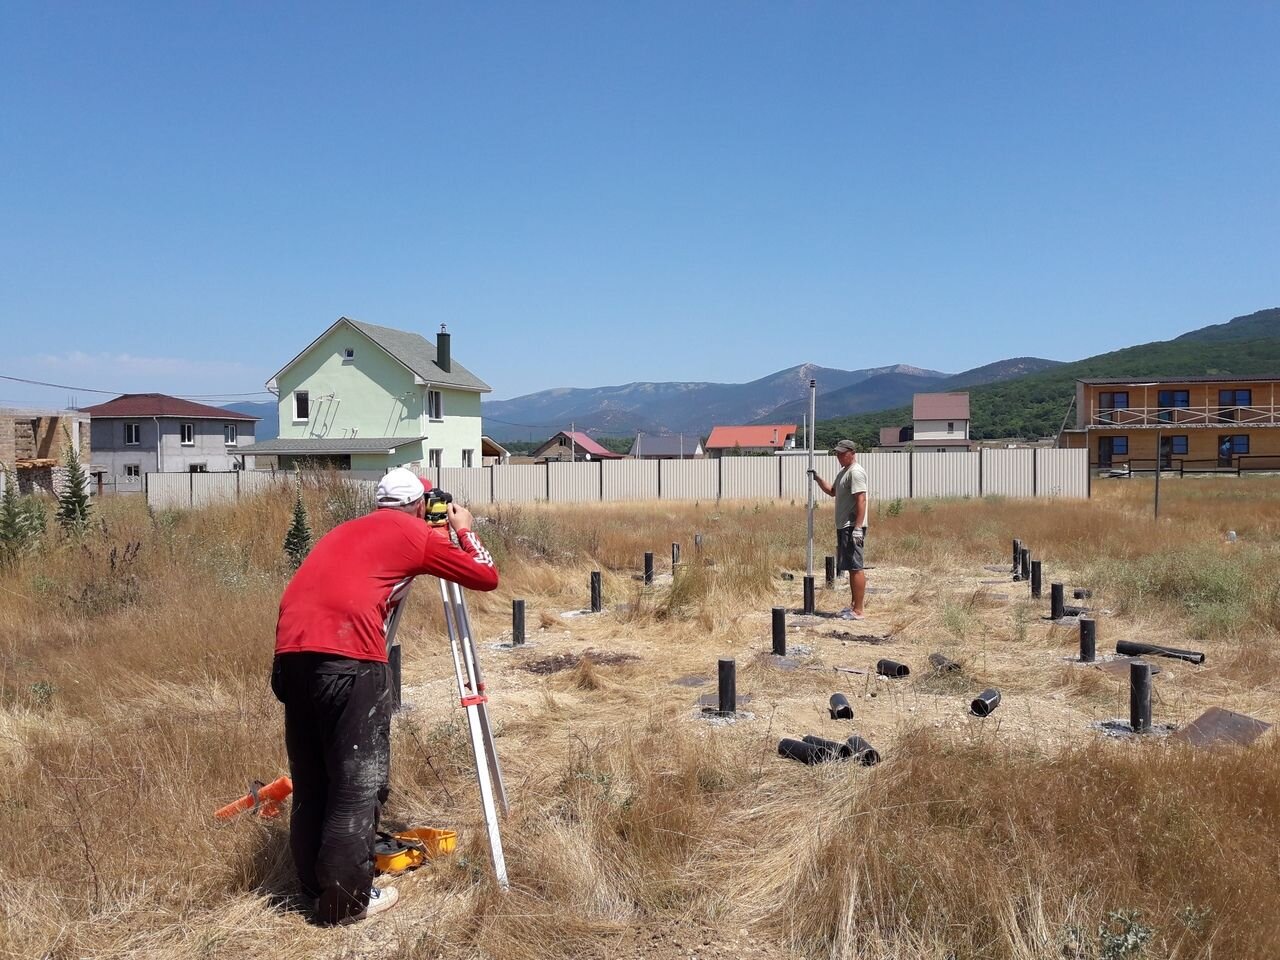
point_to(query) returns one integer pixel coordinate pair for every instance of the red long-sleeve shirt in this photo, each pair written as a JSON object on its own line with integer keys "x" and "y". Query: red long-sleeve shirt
{"x": 343, "y": 595}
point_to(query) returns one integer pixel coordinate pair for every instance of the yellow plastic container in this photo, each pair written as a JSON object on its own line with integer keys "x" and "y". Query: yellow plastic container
{"x": 435, "y": 842}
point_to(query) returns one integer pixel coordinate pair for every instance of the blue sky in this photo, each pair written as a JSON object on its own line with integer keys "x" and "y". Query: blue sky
{"x": 599, "y": 193}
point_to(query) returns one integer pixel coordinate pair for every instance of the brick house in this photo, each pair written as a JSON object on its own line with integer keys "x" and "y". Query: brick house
{"x": 33, "y": 444}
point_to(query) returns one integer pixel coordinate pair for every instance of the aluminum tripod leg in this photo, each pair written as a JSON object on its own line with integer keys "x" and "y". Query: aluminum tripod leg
{"x": 472, "y": 700}
{"x": 472, "y": 659}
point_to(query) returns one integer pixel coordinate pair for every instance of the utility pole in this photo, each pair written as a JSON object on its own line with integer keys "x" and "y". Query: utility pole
{"x": 573, "y": 442}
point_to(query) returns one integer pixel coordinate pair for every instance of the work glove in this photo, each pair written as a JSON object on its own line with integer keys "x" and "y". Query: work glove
{"x": 813, "y": 474}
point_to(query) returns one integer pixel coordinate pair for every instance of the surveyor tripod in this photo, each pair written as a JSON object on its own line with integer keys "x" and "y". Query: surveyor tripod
{"x": 475, "y": 703}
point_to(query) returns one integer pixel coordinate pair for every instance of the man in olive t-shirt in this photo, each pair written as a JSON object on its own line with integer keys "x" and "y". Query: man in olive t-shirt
{"x": 850, "y": 490}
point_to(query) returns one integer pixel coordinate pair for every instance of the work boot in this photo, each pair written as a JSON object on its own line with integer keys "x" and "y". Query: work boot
{"x": 380, "y": 901}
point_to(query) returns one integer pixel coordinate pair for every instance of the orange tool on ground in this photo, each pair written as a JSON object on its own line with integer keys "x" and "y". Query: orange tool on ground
{"x": 263, "y": 799}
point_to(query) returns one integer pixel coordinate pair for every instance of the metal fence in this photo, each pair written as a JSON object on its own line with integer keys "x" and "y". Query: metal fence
{"x": 988, "y": 472}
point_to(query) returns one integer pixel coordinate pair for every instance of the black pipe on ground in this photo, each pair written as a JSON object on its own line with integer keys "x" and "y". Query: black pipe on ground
{"x": 1071, "y": 611}
{"x": 1017, "y": 558}
{"x": 892, "y": 668}
{"x": 780, "y": 631}
{"x": 597, "y": 599}
{"x": 1056, "y": 603}
{"x": 840, "y": 708}
{"x": 1026, "y": 563}
{"x": 1035, "y": 579}
{"x": 810, "y": 604}
{"x": 1080, "y": 593}
{"x": 806, "y": 753}
{"x": 863, "y": 752}
{"x": 832, "y": 749}
{"x": 648, "y": 568}
{"x": 1140, "y": 696}
{"x": 942, "y": 664}
{"x": 517, "y": 623}
{"x": 393, "y": 661}
{"x": 728, "y": 687}
{"x": 1131, "y": 648}
{"x": 675, "y": 555}
{"x": 985, "y": 702}
{"x": 1088, "y": 640}
{"x": 830, "y": 565}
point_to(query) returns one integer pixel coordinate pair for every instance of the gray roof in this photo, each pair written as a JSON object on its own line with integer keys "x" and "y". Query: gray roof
{"x": 669, "y": 445}
{"x": 419, "y": 354}
{"x": 325, "y": 446}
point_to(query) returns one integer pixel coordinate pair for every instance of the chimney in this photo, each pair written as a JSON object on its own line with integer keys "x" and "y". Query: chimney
{"x": 442, "y": 350}
{"x": 775, "y": 436}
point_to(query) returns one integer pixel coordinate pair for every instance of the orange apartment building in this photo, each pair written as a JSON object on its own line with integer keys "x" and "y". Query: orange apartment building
{"x": 1204, "y": 424}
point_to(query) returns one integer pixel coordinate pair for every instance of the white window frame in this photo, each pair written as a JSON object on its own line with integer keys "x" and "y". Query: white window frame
{"x": 435, "y": 406}
{"x": 306, "y": 397}
{"x": 136, "y": 430}
{"x": 185, "y": 430}
{"x": 197, "y": 468}
{"x": 133, "y": 471}
{"x": 349, "y": 355}
{"x": 230, "y": 435}
{"x": 435, "y": 459}
{"x": 468, "y": 456}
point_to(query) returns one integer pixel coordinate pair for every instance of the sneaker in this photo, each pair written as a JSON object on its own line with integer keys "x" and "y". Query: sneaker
{"x": 848, "y": 614}
{"x": 380, "y": 901}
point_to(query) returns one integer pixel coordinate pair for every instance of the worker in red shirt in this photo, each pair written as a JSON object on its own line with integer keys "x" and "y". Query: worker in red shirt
{"x": 331, "y": 674}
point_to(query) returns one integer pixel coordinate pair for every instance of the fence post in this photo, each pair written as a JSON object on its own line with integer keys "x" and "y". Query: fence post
{"x": 780, "y": 459}
{"x": 659, "y": 462}
{"x": 547, "y": 479}
{"x": 719, "y": 478}
{"x": 191, "y": 489}
{"x": 979, "y": 471}
{"x": 911, "y": 474}
{"x": 1035, "y": 481}
{"x": 493, "y": 490}
{"x": 600, "y": 464}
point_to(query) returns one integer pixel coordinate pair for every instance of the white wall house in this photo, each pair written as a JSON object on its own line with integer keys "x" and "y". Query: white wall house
{"x": 939, "y": 422}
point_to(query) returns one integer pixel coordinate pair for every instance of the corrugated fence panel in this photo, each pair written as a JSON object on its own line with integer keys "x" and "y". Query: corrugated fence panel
{"x": 690, "y": 479}
{"x": 467, "y": 484}
{"x": 575, "y": 482}
{"x": 261, "y": 481}
{"x": 207, "y": 488}
{"x": 888, "y": 474}
{"x": 749, "y": 477}
{"x": 795, "y": 483}
{"x": 630, "y": 479}
{"x": 1006, "y": 473}
{"x": 168, "y": 491}
{"x": 519, "y": 482}
{"x": 945, "y": 475}
{"x": 1062, "y": 473}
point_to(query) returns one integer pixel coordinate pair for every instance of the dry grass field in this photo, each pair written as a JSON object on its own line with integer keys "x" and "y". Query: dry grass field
{"x": 134, "y": 700}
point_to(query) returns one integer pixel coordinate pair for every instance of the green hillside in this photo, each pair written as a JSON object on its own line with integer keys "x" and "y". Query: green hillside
{"x": 1034, "y": 406}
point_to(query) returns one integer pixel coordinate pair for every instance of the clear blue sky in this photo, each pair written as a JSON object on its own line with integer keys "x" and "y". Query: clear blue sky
{"x": 598, "y": 193}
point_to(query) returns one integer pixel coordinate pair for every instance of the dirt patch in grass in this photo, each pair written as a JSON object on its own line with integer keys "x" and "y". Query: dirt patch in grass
{"x": 544, "y": 666}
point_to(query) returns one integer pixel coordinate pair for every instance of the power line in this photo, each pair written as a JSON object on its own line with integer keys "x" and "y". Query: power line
{"x": 202, "y": 396}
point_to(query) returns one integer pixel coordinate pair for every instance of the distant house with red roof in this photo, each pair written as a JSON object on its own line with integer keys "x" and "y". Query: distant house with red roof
{"x": 768, "y": 438}
{"x": 139, "y": 433}
{"x": 572, "y": 445}
{"x": 939, "y": 423}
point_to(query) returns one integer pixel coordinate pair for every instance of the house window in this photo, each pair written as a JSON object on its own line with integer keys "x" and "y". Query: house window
{"x": 229, "y": 434}
{"x": 132, "y": 471}
{"x": 348, "y": 355}
{"x": 1110, "y": 400}
{"x": 132, "y": 434}
{"x": 198, "y": 468}
{"x": 433, "y": 459}
{"x": 1231, "y": 446}
{"x": 301, "y": 405}
{"x": 1168, "y": 399}
{"x": 1120, "y": 446}
{"x": 435, "y": 405}
{"x": 188, "y": 434}
{"x": 467, "y": 456}
{"x": 951, "y": 426}
{"x": 1230, "y": 402}
{"x": 1178, "y": 446}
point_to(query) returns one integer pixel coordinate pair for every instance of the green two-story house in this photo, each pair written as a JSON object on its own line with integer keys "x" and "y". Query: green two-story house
{"x": 367, "y": 398}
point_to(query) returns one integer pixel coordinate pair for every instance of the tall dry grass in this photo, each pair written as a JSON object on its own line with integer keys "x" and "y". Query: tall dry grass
{"x": 133, "y": 700}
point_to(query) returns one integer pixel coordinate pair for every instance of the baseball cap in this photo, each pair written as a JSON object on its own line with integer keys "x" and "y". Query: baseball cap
{"x": 399, "y": 488}
{"x": 844, "y": 445}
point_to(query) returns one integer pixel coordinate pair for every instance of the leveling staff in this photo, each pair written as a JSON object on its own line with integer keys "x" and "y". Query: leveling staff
{"x": 850, "y": 490}
{"x": 331, "y": 674}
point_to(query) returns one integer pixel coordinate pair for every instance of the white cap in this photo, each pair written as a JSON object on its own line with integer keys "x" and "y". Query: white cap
{"x": 399, "y": 488}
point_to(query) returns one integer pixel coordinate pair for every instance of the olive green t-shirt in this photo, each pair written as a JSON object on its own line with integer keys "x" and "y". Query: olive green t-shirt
{"x": 849, "y": 482}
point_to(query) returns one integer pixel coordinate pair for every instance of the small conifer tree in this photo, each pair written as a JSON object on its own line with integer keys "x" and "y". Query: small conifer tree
{"x": 73, "y": 499}
{"x": 297, "y": 543}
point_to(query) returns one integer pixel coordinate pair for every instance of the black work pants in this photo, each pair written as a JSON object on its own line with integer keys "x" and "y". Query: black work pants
{"x": 337, "y": 730}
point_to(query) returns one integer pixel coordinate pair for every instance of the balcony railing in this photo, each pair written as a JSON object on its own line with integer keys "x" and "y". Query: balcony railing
{"x": 1213, "y": 415}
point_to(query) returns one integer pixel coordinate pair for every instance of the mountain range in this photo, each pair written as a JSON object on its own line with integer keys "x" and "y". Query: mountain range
{"x": 1023, "y": 396}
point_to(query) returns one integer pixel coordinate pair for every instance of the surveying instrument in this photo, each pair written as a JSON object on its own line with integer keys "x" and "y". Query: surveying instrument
{"x": 471, "y": 690}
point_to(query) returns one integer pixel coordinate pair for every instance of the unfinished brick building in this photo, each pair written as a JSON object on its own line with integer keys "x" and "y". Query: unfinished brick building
{"x": 32, "y": 444}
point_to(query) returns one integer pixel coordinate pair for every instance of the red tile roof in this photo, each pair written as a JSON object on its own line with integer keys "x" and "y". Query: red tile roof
{"x": 770, "y": 435}
{"x": 940, "y": 406}
{"x": 588, "y": 445}
{"x": 160, "y": 405}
